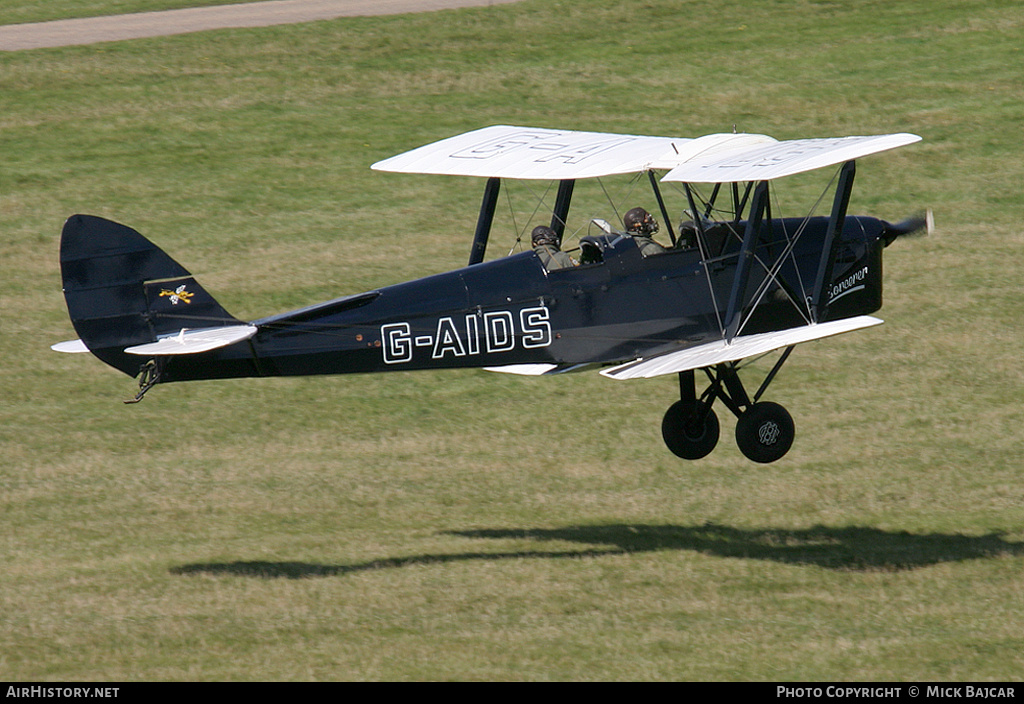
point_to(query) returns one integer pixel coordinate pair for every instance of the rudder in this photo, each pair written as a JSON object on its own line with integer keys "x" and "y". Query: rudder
{"x": 122, "y": 290}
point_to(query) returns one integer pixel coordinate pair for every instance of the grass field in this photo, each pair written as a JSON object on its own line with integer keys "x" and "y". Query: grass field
{"x": 471, "y": 526}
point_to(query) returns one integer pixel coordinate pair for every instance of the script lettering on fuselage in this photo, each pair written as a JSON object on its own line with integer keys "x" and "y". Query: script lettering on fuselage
{"x": 461, "y": 336}
{"x": 851, "y": 283}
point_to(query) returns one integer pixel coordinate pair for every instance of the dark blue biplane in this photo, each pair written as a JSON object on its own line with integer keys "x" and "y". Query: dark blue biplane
{"x": 734, "y": 282}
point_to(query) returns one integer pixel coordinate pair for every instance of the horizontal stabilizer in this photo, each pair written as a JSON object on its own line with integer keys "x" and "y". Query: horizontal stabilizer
{"x": 720, "y": 351}
{"x": 71, "y": 347}
{"x": 194, "y": 341}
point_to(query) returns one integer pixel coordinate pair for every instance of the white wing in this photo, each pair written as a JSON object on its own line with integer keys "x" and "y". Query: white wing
{"x": 771, "y": 160}
{"x": 720, "y": 351}
{"x": 505, "y": 151}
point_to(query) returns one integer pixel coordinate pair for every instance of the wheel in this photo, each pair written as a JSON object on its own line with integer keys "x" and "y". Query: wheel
{"x": 685, "y": 434}
{"x": 765, "y": 432}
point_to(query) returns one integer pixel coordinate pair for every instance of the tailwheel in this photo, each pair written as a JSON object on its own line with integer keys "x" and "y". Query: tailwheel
{"x": 765, "y": 432}
{"x": 690, "y": 429}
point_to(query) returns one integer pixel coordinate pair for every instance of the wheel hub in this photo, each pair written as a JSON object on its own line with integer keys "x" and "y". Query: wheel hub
{"x": 768, "y": 433}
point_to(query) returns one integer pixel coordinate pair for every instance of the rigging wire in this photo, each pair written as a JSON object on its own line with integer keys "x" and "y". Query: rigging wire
{"x": 787, "y": 255}
{"x": 540, "y": 200}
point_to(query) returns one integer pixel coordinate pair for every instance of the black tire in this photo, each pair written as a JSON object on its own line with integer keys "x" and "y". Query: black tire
{"x": 765, "y": 432}
{"x": 685, "y": 435}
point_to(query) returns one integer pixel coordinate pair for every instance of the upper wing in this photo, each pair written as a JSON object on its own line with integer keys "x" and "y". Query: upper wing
{"x": 770, "y": 160}
{"x": 505, "y": 151}
{"x": 720, "y": 351}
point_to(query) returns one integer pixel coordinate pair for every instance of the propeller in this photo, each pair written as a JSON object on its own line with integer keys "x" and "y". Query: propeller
{"x": 915, "y": 226}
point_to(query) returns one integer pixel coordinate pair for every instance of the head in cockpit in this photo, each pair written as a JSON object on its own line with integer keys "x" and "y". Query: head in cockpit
{"x": 640, "y": 225}
{"x": 547, "y": 244}
{"x": 544, "y": 235}
{"x": 639, "y": 222}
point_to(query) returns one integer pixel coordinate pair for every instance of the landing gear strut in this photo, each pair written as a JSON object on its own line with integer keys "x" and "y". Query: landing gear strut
{"x": 764, "y": 430}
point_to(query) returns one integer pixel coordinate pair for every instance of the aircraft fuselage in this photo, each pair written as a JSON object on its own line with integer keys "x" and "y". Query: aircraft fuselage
{"x": 511, "y": 311}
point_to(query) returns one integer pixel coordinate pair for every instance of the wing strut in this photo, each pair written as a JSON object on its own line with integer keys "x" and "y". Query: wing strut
{"x": 661, "y": 204}
{"x": 711, "y": 201}
{"x": 562, "y": 201}
{"x": 483, "y": 223}
{"x": 739, "y": 284}
{"x": 697, "y": 222}
{"x": 737, "y": 202}
{"x": 833, "y": 235}
{"x": 705, "y": 254}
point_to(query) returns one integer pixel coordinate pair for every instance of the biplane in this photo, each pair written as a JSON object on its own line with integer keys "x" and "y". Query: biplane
{"x": 734, "y": 282}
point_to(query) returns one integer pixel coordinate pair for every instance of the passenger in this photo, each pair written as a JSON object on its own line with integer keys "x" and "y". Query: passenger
{"x": 687, "y": 233}
{"x": 640, "y": 225}
{"x": 547, "y": 244}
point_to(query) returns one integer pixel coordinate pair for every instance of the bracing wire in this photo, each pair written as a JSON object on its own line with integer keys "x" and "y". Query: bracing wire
{"x": 773, "y": 270}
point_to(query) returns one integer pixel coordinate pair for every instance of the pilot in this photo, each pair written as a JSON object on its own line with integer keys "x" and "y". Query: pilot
{"x": 640, "y": 225}
{"x": 547, "y": 244}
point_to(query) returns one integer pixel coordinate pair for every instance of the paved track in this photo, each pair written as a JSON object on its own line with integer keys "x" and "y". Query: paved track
{"x": 254, "y": 14}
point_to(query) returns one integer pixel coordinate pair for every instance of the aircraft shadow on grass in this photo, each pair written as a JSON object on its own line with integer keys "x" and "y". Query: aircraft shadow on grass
{"x": 854, "y": 549}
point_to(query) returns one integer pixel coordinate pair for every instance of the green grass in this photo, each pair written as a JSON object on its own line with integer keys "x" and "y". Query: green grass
{"x": 470, "y": 526}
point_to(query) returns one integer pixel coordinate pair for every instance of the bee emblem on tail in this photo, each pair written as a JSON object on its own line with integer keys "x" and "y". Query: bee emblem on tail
{"x": 178, "y": 294}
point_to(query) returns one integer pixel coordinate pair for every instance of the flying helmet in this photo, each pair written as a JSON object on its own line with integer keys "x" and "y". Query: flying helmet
{"x": 639, "y": 222}
{"x": 542, "y": 234}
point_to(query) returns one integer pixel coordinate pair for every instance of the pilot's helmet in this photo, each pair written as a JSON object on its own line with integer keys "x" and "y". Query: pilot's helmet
{"x": 542, "y": 234}
{"x": 639, "y": 222}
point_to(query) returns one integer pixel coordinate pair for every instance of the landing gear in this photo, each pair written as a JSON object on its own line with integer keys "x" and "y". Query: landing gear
{"x": 764, "y": 430}
{"x": 149, "y": 376}
{"x": 690, "y": 429}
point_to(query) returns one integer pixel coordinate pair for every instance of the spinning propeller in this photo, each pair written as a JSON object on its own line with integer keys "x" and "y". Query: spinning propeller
{"x": 915, "y": 226}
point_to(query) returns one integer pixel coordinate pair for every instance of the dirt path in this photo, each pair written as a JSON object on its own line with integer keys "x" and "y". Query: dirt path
{"x": 255, "y": 14}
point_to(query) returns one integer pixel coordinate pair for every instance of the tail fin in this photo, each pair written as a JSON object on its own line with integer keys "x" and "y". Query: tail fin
{"x": 123, "y": 291}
